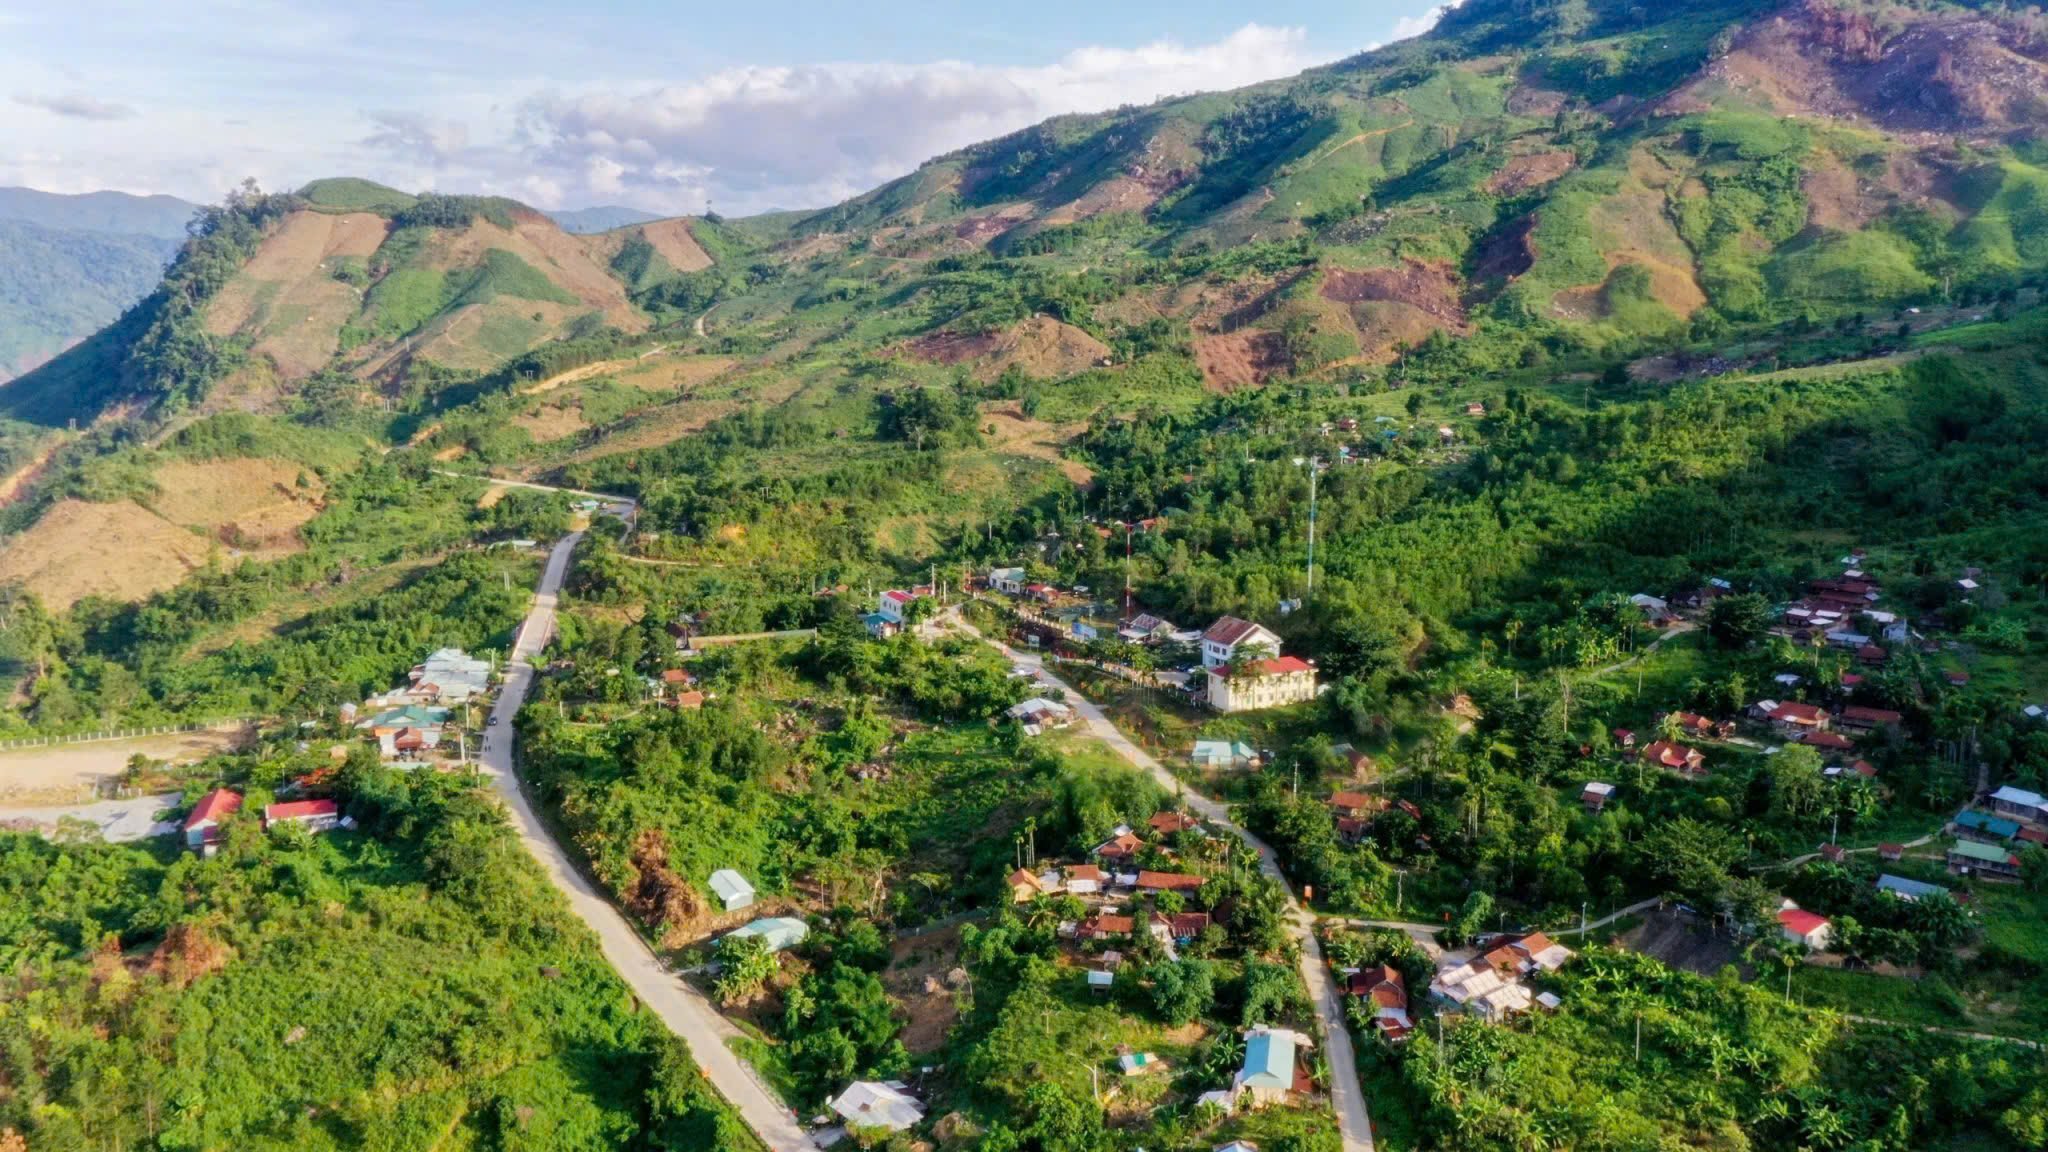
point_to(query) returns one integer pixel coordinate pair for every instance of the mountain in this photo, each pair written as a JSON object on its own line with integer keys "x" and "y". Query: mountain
{"x": 70, "y": 264}
{"x": 120, "y": 213}
{"x": 603, "y": 218}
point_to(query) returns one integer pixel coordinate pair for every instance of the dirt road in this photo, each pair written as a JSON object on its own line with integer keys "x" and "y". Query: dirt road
{"x": 1346, "y": 1093}
{"x": 685, "y": 1012}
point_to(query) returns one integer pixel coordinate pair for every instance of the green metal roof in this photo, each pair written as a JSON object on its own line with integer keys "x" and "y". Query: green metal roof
{"x": 1989, "y": 853}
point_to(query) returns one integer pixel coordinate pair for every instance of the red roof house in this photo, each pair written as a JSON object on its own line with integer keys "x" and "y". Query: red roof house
{"x": 202, "y": 824}
{"x": 1676, "y": 757}
{"x": 318, "y": 815}
{"x": 1168, "y": 882}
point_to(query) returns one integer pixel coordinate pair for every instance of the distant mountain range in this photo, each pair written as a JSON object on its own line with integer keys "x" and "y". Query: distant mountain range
{"x": 603, "y": 218}
{"x": 70, "y": 264}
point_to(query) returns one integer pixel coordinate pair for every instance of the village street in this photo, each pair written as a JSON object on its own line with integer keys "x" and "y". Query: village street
{"x": 688, "y": 1014}
{"x": 1353, "y": 1121}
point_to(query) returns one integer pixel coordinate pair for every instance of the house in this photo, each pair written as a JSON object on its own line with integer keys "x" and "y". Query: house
{"x": 1169, "y": 823}
{"x": 1792, "y": 717}
{"x": 1595, "y": 795}
{"x": 1024, "y": 887}
{"x": 1234, "y": 1145}
{"x": 1833, "y": 853}
{"x": 879, "y": 626}
{"x": 1169, "y": 882}
{"x": 389, "y": 720}
{"x": 1385, "y": 989}
{"x": 1624, "y": 739}
{"x": 1691, "y": 723}
{"x": 1274, "y": 683}
{"x": 1101, "y": 981}
{"x": 1223, "y": 754}
{"x": 312, "y": 815}
{"x": 1655, "y": 609}
{"x": 1906, "y": 889}
{"x": 1106, "y": 926}
{"x": 202, "y": 824}
{"x": 1825, "y": 741}
{"x": 777, "y": 932}
{"x": 1361, "y": 764}
{"x": 884, "y": 1105}
{"x": 1146, "y": 628}
{"x": 1356, "y": 803}
{"x": 1038, "y": 713}
{"x": 1857, "y": 718}
{"x": 1539, "y": 953}
{"x": 1187, "y": 927}
{"x": 1968, "y": 857}
{"x": 1138, "y": 1063}
{"x": 732, "y": 890}
{"x": 1083, "y": 879}
{"x": 1891, "y": 851}
{"x": 1221, "y": 641}
{"x": 1008, "y": 581}
{"x": 1269, "y": 1062}
{"x": 1872, "y": 656}
{"x": 689, "y": 701}
{"x": 1475, "y": 408}
{"x": 2020, "y": 804}
{"x": 451, "y": 676}
{"x": 676, "y": 679}
{"x": 1676, "y": 758}
{"x": 1803, "y": 927}
{"x": 1122, "y": 846}
{"x": 1481, "y": 990}
{"x": 893, "y": 605}
{"x": 1984, "y": 829}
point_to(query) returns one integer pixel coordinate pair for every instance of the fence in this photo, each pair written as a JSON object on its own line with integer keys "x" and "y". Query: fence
{"x": 124, "y": 734}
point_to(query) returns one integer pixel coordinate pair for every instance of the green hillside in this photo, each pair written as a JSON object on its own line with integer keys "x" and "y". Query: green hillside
{"x": 1622, "y": 337}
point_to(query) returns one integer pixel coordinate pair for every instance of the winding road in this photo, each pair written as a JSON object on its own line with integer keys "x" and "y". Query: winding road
{"x": 1353, "y": 1121}
{"x": 688, "y": 1014}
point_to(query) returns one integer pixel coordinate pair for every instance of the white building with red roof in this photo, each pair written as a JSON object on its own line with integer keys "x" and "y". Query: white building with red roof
{"x": 1274, "y": 683}
{"x": 1221, "y": 641}
{"x": 203, "y": 823}
{"x": 313, "y": 815}
{"x": 1803, "y": 927}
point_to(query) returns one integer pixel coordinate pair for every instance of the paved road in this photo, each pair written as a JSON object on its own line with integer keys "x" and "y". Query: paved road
{"x": 119, "y": 821}
{"x": 686, "y": 1012}
{"x": 1353, "y": 1121}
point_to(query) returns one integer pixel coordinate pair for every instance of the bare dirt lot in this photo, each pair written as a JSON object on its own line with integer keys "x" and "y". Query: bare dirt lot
{"x": 1009, "y": 430}
{"x": 1041, "y": 347}
{"x": 60, "y": 773}
{"x": 122, "y": 551}
{"x": 1682, "y": 941}
{"x": 1242, "y": 359}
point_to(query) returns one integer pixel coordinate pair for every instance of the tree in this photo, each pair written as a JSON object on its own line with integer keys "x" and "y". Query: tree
{"x": 1738, "y": 621}
{"x": 1799, "y": 790}
{"x": 1181, "y": 990}
{"x": 745, "y": 965}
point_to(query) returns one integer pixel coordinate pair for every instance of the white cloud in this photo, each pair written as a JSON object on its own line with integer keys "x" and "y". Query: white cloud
{"x": 762, "y": 137}
{"x": 1409, "y": 27}
{"x": 75, "y": 106}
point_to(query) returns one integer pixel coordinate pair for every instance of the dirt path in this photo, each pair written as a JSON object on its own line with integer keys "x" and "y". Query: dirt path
{"x": 1678, "y": 629}
{"x": 1361, "y": 138}
{"x": 1346, "y": 1093}
{"x": 15, "y": 484}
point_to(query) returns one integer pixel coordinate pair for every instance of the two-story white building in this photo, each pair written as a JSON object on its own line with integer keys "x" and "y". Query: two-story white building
{"x": 1229, "y": 634}
{"x": 1273, "y": 683}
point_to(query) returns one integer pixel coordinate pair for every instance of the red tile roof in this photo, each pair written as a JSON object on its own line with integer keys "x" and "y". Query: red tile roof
{"x": 1284, "y": 666}
{"x": 300, "y": 810}
{"x": 1831, "y": 740}
{"x": 212, "y": 807}
{"x": 1229, "y": 630}
{"x": 1794, "y": 712}
{"x": 1801, "y": 922}
{"x": 1858, "y": 714}
{"x": 1669, "y": 755}
{"x": 1382, "y": 985}
{"x": 1121, "y": 846}
{"x": 1169, "y": 881}
{"x": 1083, "y": 872}
{"x": 1167, "y": 823}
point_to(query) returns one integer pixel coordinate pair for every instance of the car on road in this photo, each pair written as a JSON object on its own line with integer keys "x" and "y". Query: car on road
{"x": 492, "y": 722}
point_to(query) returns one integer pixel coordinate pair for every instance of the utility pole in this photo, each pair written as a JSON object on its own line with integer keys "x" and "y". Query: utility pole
{"x": 1314, "y": 466}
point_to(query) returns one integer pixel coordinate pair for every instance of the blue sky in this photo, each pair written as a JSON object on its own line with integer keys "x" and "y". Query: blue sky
{"x": 658, "y": 105}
